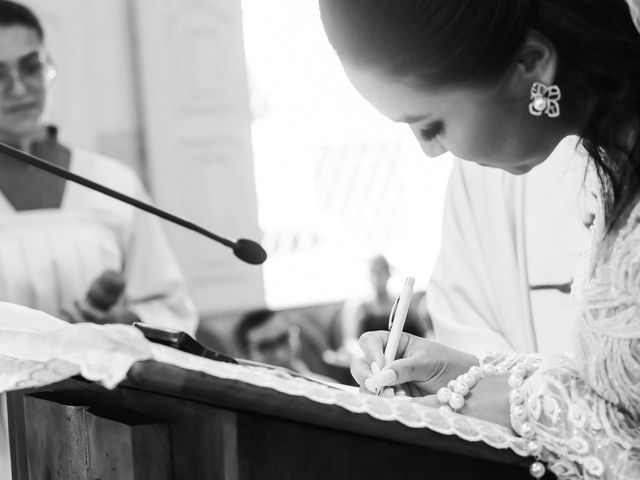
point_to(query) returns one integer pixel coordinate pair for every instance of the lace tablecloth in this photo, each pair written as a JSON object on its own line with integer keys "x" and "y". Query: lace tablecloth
{"x": 53, "y": 352}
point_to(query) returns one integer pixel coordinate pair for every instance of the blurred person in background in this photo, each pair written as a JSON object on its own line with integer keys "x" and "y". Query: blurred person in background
{"x": 64, "y": 249}
{"x": 266, "y": 336}
{"x": 372, "y": 313}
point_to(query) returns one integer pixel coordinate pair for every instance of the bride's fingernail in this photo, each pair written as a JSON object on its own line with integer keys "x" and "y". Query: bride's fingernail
{"x": 369, "y": 386}
{"x": 384, "y": 378}
{"x": 387, "y": 393}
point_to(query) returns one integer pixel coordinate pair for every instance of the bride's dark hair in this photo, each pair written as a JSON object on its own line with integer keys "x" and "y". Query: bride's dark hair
{"x": 473, "y": 43}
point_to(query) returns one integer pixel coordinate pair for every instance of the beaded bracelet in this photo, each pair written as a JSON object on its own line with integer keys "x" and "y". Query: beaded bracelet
{"x": 452, "y": 399}
{"x": 452, "y": 396}
{"x": 518, "y": 416}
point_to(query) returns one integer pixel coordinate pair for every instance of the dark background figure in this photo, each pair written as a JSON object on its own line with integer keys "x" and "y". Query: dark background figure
{"x": 280, "y": 338}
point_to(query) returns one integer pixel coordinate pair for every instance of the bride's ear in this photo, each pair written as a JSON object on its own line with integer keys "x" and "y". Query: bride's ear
{"x": 536, "y": 61}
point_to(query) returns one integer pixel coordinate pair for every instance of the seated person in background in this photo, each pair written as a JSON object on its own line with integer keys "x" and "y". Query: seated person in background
{"x": 64, "y": 249}
{"x": 265, "y": 336}
{"x": 373, "y": 313}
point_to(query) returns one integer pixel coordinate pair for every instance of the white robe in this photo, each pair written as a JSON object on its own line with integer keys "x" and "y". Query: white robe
{"x": 503, "y": 234}
{"x": 49, "y": 257}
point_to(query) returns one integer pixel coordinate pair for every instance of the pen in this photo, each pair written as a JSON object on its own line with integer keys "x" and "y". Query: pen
{"x": 396, "y": 323}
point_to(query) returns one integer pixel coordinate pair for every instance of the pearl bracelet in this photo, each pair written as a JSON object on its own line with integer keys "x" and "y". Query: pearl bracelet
{"x": 452, "y": 396}
{"x": 452, "y": 399}
{"x": 519, "y": 417}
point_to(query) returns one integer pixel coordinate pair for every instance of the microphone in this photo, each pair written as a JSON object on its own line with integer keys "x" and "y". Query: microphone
{"x": 246, "y": 250}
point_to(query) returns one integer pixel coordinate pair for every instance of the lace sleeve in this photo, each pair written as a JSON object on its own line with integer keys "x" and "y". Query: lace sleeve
{"x": 567, "y": 423}
{"x": 582, "y": 414}
{"x": 506, "y": 361}
{"x": 574, "y": 429}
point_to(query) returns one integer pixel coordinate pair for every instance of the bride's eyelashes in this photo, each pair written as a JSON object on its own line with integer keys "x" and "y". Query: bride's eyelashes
{"x": 430, "y": 132}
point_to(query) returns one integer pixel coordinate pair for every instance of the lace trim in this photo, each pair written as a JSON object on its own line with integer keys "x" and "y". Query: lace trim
{"x": 32, "y": 359}
{"x": 609, "y": 340}
{"x": 398, "y": 409}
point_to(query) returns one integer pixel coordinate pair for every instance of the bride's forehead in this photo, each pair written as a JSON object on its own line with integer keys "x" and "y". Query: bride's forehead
{"x": 404, "y": 101}
{"x": 390, "y": 95}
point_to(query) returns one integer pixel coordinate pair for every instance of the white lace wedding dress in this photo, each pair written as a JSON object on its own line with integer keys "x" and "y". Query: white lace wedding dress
{"x": 585, "y": 411}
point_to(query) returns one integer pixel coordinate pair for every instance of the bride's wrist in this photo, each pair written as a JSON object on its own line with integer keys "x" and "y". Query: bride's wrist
{"x": 452, "y": 396}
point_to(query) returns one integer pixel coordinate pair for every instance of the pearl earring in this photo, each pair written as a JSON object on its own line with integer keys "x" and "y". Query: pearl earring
{"x": 544, "y": 99}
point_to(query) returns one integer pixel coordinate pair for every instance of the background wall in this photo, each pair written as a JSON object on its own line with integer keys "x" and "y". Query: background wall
{"x": 161, "y": 85}
{"x": 94, "y": 99}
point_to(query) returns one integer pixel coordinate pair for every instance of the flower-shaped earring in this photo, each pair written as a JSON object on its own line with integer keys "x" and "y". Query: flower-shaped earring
{"x": 544, "y": 99}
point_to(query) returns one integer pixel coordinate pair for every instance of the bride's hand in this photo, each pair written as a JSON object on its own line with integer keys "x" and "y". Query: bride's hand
{"x": 421, "y": 366}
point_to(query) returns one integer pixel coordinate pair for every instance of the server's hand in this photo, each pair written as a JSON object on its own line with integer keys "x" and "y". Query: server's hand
{"x": 103, "y": 302}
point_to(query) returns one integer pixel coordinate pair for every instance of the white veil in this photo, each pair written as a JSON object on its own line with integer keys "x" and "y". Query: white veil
{"x": 634, "y": 6}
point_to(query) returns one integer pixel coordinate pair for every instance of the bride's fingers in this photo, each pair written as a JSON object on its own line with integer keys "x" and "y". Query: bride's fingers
{"x": 387, "y": 393}
{"x": 404, "y": 370}
{"x": 360, "y": 370}
{"x": 401, "y": 391}
{"x": 372, "y": 345}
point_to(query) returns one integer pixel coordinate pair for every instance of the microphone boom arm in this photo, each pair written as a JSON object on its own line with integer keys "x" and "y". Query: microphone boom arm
{"x": 249, "y": 255}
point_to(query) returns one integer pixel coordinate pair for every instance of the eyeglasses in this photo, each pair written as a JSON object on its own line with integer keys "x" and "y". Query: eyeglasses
{"x": 34, "y": 70}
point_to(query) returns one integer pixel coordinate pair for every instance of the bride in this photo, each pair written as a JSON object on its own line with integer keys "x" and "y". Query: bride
{"x": 501, "y": 82}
